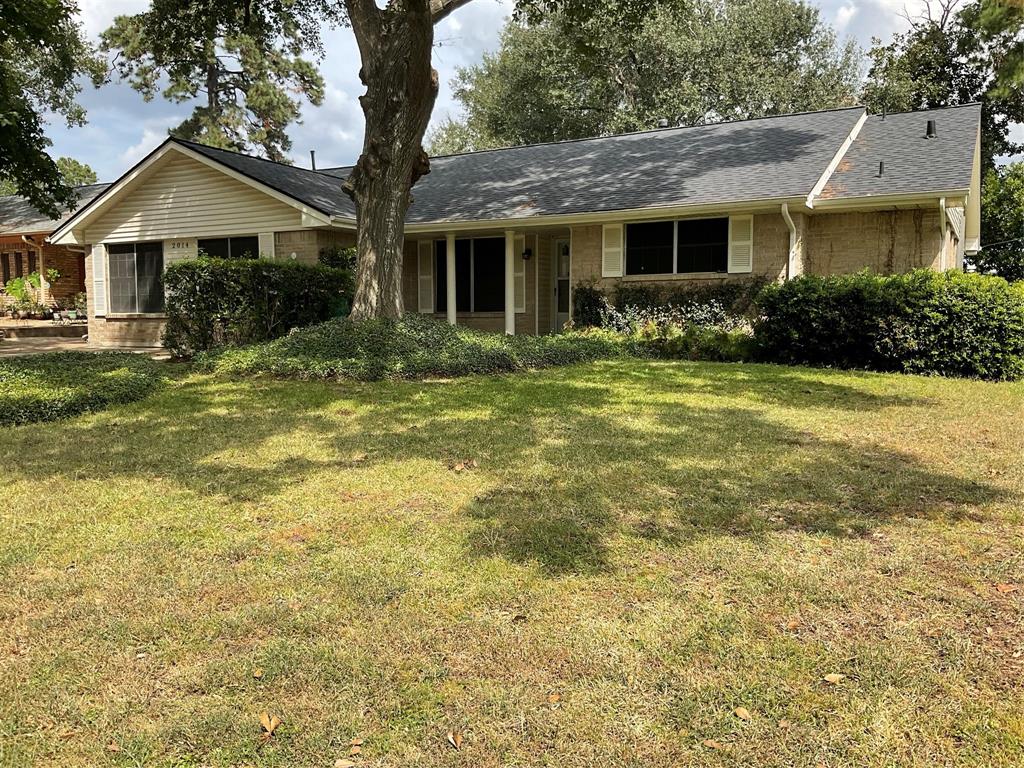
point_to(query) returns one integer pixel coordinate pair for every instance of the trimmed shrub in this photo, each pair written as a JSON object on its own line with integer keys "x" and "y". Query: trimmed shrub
{"x": 411, "y": 347}
{"x": 951, "y": 324}
{"x": 57, "y": 385}
{"x": 214, "y": 302}
{"x": 736, "y": 296}
{"x": 588, "y": 303}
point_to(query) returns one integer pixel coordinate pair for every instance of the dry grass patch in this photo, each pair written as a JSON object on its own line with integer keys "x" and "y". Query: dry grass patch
{"x": 640, "y": 550}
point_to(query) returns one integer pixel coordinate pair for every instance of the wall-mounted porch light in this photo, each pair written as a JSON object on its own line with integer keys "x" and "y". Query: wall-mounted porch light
{"x": 527, "y": 254}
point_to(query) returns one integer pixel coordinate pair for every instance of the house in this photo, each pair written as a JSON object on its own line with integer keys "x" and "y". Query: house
{"x": 498, "y": 239}
{"x": 24, "y": 248}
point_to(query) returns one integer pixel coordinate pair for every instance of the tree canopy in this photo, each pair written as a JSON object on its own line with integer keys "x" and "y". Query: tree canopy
{"x": 42, "y": 53}
{"x": 72, "y": 172}
{"x": 242, "y": 59}
{"x": 1002, "y": 222}
{"x": 558, "y": 76}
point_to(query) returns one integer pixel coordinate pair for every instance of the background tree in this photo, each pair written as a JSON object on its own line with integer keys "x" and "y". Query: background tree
{"x": 72, "y": 173}
{"x": 1003, "y": 20}
{"x": 242, "y": 59}
{"x": 691, "y": 63}
{"x": 1002, "y": 222}
{"x": 42, "y": 52}
{"x": 947, "y": 58}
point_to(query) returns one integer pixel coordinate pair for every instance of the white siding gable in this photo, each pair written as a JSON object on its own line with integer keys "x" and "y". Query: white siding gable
{"x": 181, "y": 197}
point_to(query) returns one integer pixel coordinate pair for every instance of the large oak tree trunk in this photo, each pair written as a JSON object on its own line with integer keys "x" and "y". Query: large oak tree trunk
{"x": 401, "y": 86}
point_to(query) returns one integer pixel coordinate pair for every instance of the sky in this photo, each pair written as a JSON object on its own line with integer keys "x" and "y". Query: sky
{"x": 122, "y": 127}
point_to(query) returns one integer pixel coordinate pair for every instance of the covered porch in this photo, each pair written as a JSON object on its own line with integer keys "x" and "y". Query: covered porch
{"x": 515, "y": 281}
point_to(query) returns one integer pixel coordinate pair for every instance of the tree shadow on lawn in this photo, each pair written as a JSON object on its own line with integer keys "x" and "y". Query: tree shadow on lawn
{"x": 573, "y": 457}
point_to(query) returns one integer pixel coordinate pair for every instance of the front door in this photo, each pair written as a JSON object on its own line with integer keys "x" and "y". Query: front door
{"x": 562, "y": 305}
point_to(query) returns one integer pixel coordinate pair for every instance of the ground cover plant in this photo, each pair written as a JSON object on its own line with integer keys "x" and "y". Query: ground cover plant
{"x": 57, "y": 385}
{"x": 411, "y": 347}
{"x": 630, "y": 563}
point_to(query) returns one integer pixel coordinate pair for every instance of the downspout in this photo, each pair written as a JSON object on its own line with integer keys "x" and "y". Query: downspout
{"x": 790, "y": 266}
{"x": 943, "y": 224}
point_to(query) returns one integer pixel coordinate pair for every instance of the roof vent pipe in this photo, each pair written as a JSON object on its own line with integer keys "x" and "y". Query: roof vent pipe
{"x": 930, "y": 131}
{"x": 312, "y": 159}
{"x": 881, "y": 168}
{"x": 663, "y": 122}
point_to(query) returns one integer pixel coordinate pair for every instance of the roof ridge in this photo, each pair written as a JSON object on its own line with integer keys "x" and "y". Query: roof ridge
{"x": 650, "y": 130}
{"x": 292, "y": 166}
{"x": 925, "y": 109}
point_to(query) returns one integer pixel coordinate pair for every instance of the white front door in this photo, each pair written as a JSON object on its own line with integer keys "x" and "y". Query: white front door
{"x": 562, "y": 298}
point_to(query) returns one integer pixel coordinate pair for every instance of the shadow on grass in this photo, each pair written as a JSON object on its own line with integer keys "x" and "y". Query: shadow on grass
{"x": 574, "y": 457}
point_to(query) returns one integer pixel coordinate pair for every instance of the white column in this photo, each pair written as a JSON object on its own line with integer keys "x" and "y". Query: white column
{"x": 510, "y": 282}
{"x": 450, "y": 276}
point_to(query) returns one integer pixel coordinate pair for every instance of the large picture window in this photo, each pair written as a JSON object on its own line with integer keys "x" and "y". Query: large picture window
{"x": 247, "y": 247}
{"x": 479, "y": 275}
{"x": 677, "y": 247}
{"x": 135, "y": 271}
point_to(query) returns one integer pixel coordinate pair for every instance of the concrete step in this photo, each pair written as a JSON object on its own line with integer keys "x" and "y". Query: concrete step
{"x": 44, "y": 331}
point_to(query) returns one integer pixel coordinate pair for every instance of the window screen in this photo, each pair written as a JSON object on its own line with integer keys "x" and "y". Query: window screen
{"x": 135, "y": 271}
{"x": 703, "y": 245}
{"x": 489, "y": 274}
{"x": 649, "y": 248}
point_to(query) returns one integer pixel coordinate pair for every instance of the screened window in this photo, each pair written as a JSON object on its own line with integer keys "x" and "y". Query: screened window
{"x": 19, "y": 268}
{"x": 5, "y": 265}
{"x": 703, "y": 245}
{"x": 32, "y": 262}
{"x": 649, "y": 248}
{"x": 135, "y": 271}
{"x": 479, "y": 275}
{"x": 231, "y": 247}
{"x": 686, "y": 246}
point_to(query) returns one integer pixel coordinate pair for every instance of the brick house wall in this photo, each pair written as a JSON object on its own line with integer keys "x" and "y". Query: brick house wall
{"x": 70, "y": 264}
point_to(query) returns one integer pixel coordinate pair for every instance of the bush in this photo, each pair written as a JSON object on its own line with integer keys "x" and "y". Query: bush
{"x": 951, "y": 324}
{"x": 411, "y": 347}
{"x": 588, "y": 303}
{"x": 736, "y": 296}
{"x": 61, "y": 384}
{"x": 213, "y": 302}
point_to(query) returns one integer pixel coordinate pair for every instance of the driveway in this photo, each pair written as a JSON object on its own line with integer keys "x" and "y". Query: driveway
{"x": 33, "y": 346}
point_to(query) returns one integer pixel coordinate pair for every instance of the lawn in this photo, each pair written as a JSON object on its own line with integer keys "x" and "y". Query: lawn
{"x": 588, "y": 566}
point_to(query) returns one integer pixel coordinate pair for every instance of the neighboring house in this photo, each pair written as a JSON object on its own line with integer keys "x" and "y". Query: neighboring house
{"x": 497, "y": 239}
{"x": 24, "y": 248}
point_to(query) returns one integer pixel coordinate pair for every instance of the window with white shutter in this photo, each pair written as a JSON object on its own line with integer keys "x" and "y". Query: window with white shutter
{"x": 611, "y": 250}
{"x": 426, "y": 276}
{"x": 741, "y": 244}
{"x": 99, "y": 281}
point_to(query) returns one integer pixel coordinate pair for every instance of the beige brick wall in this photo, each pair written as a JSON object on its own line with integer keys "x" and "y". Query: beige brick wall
{"x": 307, "y": 244}
{"x": 883, "y": 241}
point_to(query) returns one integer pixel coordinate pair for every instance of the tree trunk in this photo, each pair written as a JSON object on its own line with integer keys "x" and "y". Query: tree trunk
{"x": 401, "y": 86}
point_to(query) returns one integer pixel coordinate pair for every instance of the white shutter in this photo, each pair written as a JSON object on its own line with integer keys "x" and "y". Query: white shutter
{"x": 266, "y": 245}
{"x": 98, "y": 299}
{"x": 741, "y": 244}
{"x": 519, "y": 273}
{"x": 425, "y": 282}
{"x": 611, "y": 250}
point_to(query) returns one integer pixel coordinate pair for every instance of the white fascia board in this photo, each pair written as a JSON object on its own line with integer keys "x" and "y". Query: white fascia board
{"x": 840, "y": 154}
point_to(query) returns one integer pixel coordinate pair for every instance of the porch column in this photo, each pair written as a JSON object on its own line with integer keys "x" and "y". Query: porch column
{"x": 450, "y": 276}
{"x": 510, "y": 282}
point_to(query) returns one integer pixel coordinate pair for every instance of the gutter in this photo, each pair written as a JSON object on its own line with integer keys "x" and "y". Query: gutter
{"x": 790, "y": 263}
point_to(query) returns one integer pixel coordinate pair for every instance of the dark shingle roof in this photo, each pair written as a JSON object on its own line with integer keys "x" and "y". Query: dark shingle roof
{"x": 19, "y": 216}
{"x": 913, "y": 163}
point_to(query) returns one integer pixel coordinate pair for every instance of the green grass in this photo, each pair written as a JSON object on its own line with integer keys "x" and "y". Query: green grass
{"x": 656, "y": 543}
{"x": 56, "y": 385}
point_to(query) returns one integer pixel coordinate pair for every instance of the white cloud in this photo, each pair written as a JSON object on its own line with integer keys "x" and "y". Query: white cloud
{"x": 150, "y": 140}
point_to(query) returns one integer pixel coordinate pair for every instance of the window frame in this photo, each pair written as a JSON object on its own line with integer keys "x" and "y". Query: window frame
{"x": 110, "y": 311}
{"x": 228, "y": 239}
{"x": 439, "y": 289}
{"x": 675, "y": 249}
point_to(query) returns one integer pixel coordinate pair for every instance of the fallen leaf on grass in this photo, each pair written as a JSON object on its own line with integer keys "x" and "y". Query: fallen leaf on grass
{"x": 742, "y": 713}
{"x": 712, "y": 744}
{"x": 462, "y": 466}
{"x": 1005, "y": 588}
{"x": 455, "y": 739}
{"x": 270, "y": 724}
{"x": 342, "y": 762}
{"x": 113, "y": 747}
{"x": 834, "y": 678}
{"x": 355, "y": 750}
{"x": 554, "y": 698}
{"x": 784, "y": 724}
{"x": 257, "y": 673}
{"x": 356, "y": 742}
{"x": 791, "y": 625}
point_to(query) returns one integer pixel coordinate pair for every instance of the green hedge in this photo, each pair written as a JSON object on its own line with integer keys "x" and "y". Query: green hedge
{"x": 412, "y": 347}
{"x": 57, "y": 385}
{"x": 213, "y": 302}
{"x": 951, "y": 324}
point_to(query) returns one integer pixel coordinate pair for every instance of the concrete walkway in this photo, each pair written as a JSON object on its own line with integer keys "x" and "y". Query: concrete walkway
{"x": 35, "y": 346}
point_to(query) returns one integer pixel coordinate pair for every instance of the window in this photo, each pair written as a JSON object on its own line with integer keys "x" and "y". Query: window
{"x": 5, "y": 265}
{"x": 479, "y": 275}
{"x": 682, "y": 247}
{"x": 703, "y": 245}
{"x": 135, "y": 271}
{"x": 231, "y": 247}
{"x": 31, "y": 262}
{"x": 19, "y": 268}
{"x": 649, "y": 248}
{"x": 463, "y": 276}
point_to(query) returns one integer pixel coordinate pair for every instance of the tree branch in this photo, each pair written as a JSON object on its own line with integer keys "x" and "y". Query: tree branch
{"x": 439, "y": 9}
